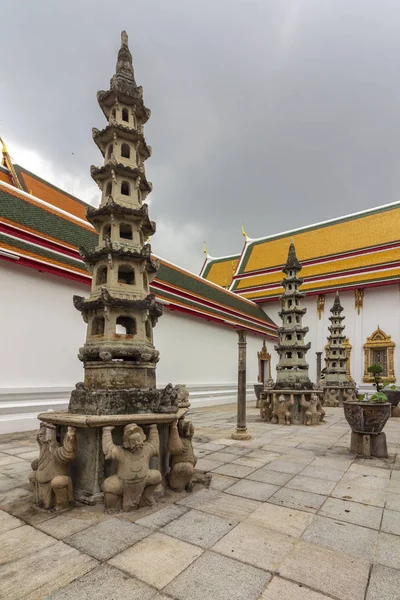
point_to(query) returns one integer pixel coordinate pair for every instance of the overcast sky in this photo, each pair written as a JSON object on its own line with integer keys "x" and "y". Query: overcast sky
{"x": 278, "y": 113}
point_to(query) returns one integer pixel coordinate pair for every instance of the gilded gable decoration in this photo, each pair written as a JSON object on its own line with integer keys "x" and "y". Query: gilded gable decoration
{"x": 320, "y": 305}
{"x": 379, "y": 348}
{"x": 359, "y": 299}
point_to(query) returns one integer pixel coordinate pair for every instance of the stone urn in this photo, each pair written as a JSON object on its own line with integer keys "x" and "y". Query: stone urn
{"x": 393, "y": 397}
{"x": 367, "y": 417}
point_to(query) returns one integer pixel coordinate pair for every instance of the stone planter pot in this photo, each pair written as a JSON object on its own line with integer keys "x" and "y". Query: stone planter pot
{"x": 367, "y": 417}
{"x": 393, "y": 397}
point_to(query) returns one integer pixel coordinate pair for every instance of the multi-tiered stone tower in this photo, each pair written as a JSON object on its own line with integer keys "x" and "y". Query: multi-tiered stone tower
{"x": 289, "y": 399}
{"x": 119, "y": 356}
{"x": 336, "y": 386}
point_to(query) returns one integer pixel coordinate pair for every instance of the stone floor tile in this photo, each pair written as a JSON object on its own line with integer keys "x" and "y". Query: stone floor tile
{"x": 198, "y": 498}
{"x": 297, "y": 499}
{"x": 286, "y": 466}
{"x": 280, "y": 589}
{"x": 395, "y": 475}
{"x": 252, "y": 489}
{"x": 7, "y": 522}
{"x": 256, "y": 545}
{"x": 388, "y": 550}
{"x": 105, "y": 539}
{"x": 311, "y": 484}
{"x": 215, "y": 577}
{"x": 212, "y": 446}
{"x": 322, "y": 473}
{"x": 342, "y": 537}
{"x": 392, "y": 501}
{"x": 265, "y": 475}
{"x": 390, "y": 521}
{"x": 6, "y": 446}
{"x": 18, "y": 469}
{"x": 162, "y": 517}
{"x": 204, "y": 464}
{"x": 394, "y": 485}
{"x": 7, "y": 484}
{"x": 329, "y": 462}
{"x": 23, "y": 509}
{"x": 9, "y": 459}
{"x": 333, "y": 573}
{"x": 105, "y": 583}
{"x": 39, "y": 574}
{"x": 237, "y": 450}
{"x": 247, "y": 461}
{"x": 369, "y": 470}
{"x": 28, "y": 454}
{"x": 233, "y": 470}
{"x": 352, "y": 512}
{"x": 225, "y": 442}
{"x": 384, "y": 583}
{"x": 281, "y": 519}
{"x": 360, "y": 494}
{"x": 63, "y": 526}
{"x": 221, "y": 457}
{"x": 18, "y": 542}
{"x": 370, "y": 482}
{"x": 198, "y": 528}
{"x": 157, "y": 559}
{"x": 233, "y": 508}
{"x": 221, "y": 482}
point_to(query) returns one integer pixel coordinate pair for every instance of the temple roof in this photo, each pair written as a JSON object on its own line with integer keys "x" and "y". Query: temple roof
{"x": 220, "y": 270}
{"x": 44, "y": 232}
{"x": 357, "y": 250}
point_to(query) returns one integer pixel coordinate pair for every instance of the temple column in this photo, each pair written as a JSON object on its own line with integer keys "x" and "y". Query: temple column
{"x": 241, "y": 432}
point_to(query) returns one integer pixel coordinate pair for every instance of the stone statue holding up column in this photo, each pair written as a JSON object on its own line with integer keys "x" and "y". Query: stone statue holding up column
{"x": 135, "y": 482}
{"x": 183, "y": 459}
{"x": 50, "y": 481}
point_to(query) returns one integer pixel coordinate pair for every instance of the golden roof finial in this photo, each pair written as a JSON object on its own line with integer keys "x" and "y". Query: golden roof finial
{"x": 244, "y": 234}
{"x": 205, "y": 249}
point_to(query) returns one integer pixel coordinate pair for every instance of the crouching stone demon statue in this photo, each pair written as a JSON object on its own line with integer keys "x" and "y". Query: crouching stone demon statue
{"x": 49, "y": 478}
{"x": 135, "y": 482}
{"x": 183, "y": 459}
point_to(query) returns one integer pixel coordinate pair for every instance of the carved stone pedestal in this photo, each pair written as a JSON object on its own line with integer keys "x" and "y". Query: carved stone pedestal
{"x": 335, "y": 395}
{"x": 291, "y": 407}
{"x": 369, "y": 445}
{"x": 90, "y": 468}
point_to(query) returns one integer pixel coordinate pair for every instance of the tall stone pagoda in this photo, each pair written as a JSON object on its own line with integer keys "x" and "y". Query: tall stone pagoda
{"x": 336, "y": 385}
{"x": 119, "y": 358}
{"x": 292, "y": 398}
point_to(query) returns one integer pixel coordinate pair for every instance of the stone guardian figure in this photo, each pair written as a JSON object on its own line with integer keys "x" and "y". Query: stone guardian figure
{"x": 49, "y": 479}
{"x": 312, "y": 416}
{"x": 135, "y": 482}
{"x": 183, "y": 459}
{"x": 281, "y": 409}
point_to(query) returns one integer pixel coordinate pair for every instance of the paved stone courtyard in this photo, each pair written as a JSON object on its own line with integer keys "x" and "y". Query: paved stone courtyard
{"x": 289, "y": 515}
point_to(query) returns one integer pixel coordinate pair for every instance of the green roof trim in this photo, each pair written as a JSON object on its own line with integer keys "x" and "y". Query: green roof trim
{"x": 20, "y": 211}
{"x": 45, "y": 252}
{"x": 210, "y": 292}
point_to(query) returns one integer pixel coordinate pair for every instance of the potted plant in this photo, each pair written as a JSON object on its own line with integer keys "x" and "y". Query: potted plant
{"x": 369, "y": 415}
{"x": 392, "y": 393}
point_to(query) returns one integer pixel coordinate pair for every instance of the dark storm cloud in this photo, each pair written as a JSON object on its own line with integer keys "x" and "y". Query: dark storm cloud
{"x": 278, "y": 113}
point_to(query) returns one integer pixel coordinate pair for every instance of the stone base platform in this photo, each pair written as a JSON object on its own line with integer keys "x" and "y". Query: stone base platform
{"x": 287, "y": 407}
{"x": 369, "y": 445}
{"x": 335, "y": 395}
{"x": 90, "y": 468}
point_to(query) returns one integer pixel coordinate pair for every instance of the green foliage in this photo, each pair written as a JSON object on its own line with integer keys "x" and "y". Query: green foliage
{"x": 378, "y": 397}
{"x": 375, "y": 371}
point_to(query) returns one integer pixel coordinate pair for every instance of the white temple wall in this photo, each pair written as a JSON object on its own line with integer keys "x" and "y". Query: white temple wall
{"x": 42, "y": 332}
{"x": 381, "y": 307}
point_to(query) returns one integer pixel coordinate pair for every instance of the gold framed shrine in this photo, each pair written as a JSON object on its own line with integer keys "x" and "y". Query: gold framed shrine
{"x": 264, "y": 364}
{"x": 379, "y": 348}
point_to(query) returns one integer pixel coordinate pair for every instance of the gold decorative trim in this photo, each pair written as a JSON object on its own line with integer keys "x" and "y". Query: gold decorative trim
{"x": 380, "y": 340}
{"x": 359, "y": 299}
{"x": 263, "y": 356}
{"x": 320, "y": 305}
{"x": 348, "y": 347}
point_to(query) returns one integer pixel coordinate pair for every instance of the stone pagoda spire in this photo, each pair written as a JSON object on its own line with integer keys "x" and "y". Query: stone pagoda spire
{"x": 336, "y": 386}
{"x": 120, "y": 312}
{"x": 292, "y": 368}
{"x": 293, "y": 398}
{"x": 118, "y": 401}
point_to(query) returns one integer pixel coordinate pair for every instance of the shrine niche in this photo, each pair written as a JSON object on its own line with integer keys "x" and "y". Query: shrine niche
{"x": 379, "y": 349}
{"x": 264, "y": 364}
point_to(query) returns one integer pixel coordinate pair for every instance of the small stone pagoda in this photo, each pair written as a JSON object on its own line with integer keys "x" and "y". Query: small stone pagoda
{"x": 293, "y": 397}
{"x": 119, "y": 391}
{"x": 336, "y": 386}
